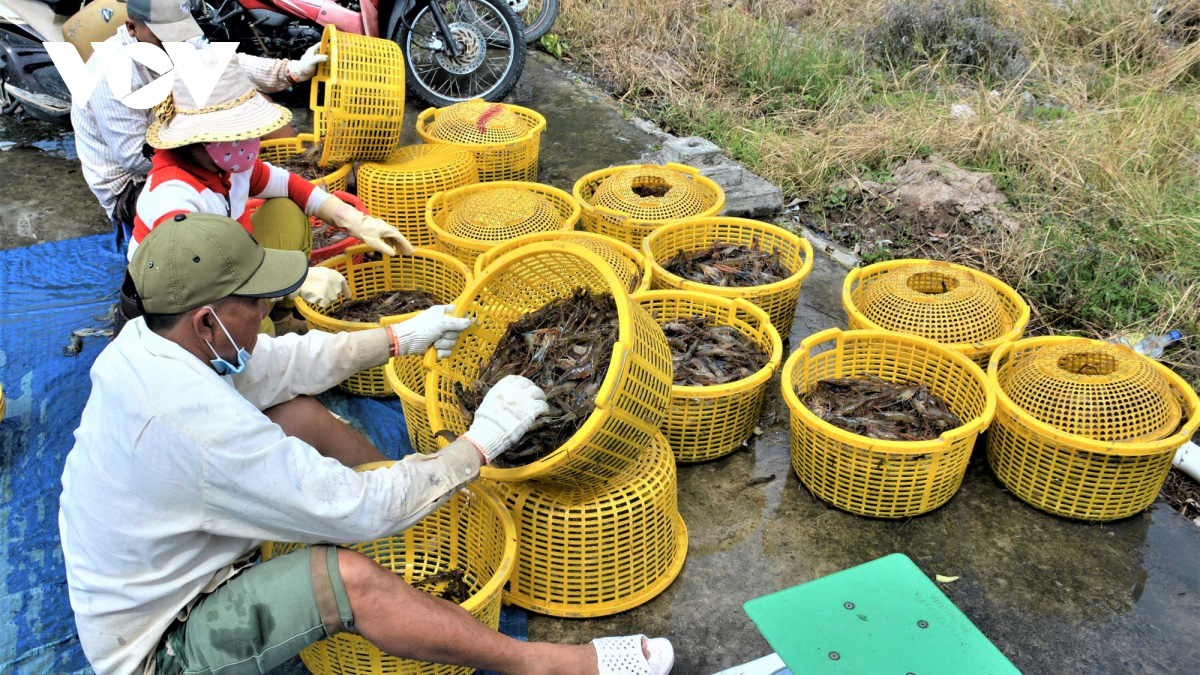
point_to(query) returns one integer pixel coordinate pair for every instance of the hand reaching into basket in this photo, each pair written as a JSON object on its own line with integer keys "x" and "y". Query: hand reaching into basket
{"x": 369, "y": 230}
{"x": 431, "y": 328}
{"x": 505, "y": 414}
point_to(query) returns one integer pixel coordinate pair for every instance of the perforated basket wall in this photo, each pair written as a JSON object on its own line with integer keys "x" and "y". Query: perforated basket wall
{"x": 398, "y": 190}
{"x": 614, "y": 205}
{"x": 469, "y": 220}
{"x": 625, "y": 261}
{"x": 435, "y": 273}
{"x": 473, "y": 531}
{"x": 1090, "y": 477}
{"x": 600, "y": 549}
{"x": 778, "y": 300}
{"x": 406, "y": 377}
{"x": 278, "y": 151}
{"x": 631, "y": 402}
{"x": 357, "y": 97}
{"x": 951, "y": 304}
{"x": 884, "y": 479}
{"x": 705, "y": 423}
{"x": 504, "y": 138}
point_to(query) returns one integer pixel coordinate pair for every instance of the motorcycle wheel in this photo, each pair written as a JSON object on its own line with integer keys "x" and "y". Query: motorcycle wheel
{"x": 537, "y": 15}
{"x": 492, "y": 52}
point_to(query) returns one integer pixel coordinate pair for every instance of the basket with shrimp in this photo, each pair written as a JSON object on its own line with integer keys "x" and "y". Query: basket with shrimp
{"x": 357, "y": 98}
{"x": 462, "y": 552}
{"x": 724, "y": 351}
{"x": 301, "y": 155}
{"x": 599, "y": 549}
{"x": 505, "y": 139}
{"x": 957, "y": 306}
{"x": 1086, "y": 429}
{"x": 384, "y": 287}
{"x": 627, "y": 203}
{"x": 627, "y": 262}
{"x": 883, "y": 423}
{"x": 732, "y": 258}
{"x": 556, "y": 313}
{"x": 468, "y": 221}
{"x": 398, "y": 190}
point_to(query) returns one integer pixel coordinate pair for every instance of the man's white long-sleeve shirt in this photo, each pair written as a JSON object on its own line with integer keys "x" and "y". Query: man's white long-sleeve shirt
{"x": 176, "y": 474}
{"x": 109, "y": 134}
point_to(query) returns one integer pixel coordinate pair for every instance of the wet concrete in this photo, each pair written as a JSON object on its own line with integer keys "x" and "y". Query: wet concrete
{"x": 1054, "y": 595}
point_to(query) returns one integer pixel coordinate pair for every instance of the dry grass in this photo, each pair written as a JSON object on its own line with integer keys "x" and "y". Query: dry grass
{"x": 1102, "y": 163}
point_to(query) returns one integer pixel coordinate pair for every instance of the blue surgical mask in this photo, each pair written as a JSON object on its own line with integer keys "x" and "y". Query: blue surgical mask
{"x": 224, "y": 367}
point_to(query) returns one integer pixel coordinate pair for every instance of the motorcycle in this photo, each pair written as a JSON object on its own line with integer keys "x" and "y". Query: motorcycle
{"x": 537, "y": 15}
{"x": 454, "y": 50}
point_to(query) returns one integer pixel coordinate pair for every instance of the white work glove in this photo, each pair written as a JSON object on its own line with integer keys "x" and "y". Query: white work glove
{"x": 305, "y": 67}
{"x": 369, "y": 230}
{"x": 322, "y": 286}
{"x": 429, "y": 328}
{"x": 505, "y": 414}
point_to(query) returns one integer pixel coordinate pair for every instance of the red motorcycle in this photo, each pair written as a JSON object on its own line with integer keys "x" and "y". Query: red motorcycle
{"x": 454, "y": 50}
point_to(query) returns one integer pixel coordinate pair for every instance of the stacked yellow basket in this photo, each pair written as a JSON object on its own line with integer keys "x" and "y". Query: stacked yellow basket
{"x": 627, "y": 203}
{"x": 624, "y": 260}
{"x": 598, "y": 525}
{"x": 437, "y": 274}
{"x": 777, "y": 299}
{"x": 473, "y": 531}
{"x": 1086, "y": 429}
{"x": 468, "y": 221}
{"x": 398, "y": 190}
{"x": 959, "y": 307}
{"x": 505, "y": 139}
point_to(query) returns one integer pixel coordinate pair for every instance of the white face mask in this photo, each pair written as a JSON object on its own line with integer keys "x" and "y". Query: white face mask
{"x": 224, "y": 367}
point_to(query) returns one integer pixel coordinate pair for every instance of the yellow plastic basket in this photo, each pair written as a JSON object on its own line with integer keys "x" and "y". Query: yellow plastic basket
{"x": 709, "y": 422}
{"x": 884, "y": 479}
{"x": 406, "y": 376}
{"x": 504, "y": 138}
{"x": 599, "y": 549}
{"x": 957, "y": 306}
{"x": 1089, "y": 477}
{"x": 278, "y": 150}
{"x": 624, "y": 260}
{"x": 473, "y": 531}
{"x": 398, "y": 190}
{"x": 631, "y": 402}
{"x": 622, "y": 214}
{"x": 435, "y": 273}
{"x": 358, "y": 97}
{"x": 778, "y": 300}
{"x": 469, "y": 220}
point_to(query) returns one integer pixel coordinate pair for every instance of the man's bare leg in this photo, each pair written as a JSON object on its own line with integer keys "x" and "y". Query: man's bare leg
{"x": 405, "y": 622}
{"x": 305, "y": 418}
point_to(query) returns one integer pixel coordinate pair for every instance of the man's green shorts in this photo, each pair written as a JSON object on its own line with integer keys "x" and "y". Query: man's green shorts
{"x": 260, "y": 618}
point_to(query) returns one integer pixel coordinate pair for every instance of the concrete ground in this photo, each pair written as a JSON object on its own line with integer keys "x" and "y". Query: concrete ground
{"x": 1055, "y": 596}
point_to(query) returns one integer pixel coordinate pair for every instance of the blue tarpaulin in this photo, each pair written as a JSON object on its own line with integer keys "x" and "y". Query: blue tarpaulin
{"x": 48, "y": 291}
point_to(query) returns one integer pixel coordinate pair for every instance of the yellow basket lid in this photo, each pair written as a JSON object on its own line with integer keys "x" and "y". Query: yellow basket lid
{"x": 936, "y": 301}
{"x": 427, "y": 158}
{"x": 501, "y": 214}
{"x": 1092, "y": 389}
{"x": 651, "y": 193}
{"x": 478, "y": 122}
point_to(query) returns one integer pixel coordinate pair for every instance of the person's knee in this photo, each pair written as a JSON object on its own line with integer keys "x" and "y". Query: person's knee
{"x": 362, "y": 576}
{"x": 298, "y": 409}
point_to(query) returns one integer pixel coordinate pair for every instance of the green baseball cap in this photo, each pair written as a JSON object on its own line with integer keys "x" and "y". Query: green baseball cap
{"x": 198, "y": 258}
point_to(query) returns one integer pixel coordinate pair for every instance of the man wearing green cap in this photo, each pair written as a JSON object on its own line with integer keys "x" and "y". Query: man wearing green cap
{"x": 200, "y": 440}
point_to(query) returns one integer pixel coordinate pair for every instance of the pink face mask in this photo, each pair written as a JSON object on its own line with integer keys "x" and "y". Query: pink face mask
{"x": 234, "y": 156}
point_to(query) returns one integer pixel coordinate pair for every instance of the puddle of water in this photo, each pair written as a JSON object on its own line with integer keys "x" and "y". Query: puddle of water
{"x": 22, "y": 132}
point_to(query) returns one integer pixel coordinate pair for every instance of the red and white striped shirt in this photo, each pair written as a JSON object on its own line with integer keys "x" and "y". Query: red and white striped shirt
{"x": 176, "y": 185}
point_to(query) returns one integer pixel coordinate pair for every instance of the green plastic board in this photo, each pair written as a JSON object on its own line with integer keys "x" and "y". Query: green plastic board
{"x": 884, "y": 616}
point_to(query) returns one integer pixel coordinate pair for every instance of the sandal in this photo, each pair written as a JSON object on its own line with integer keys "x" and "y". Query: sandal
{"x": 624, "y": 655}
